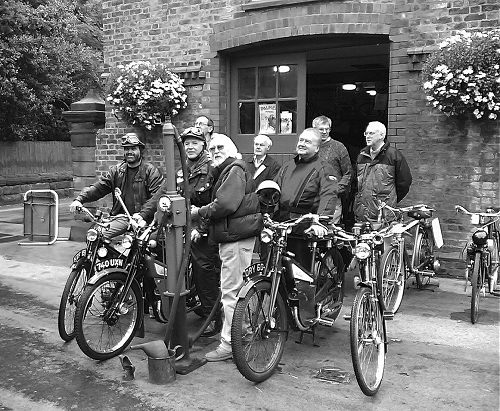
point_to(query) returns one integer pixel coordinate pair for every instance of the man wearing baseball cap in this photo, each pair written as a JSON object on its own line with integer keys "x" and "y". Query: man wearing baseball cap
{"x": 137, "y": 180}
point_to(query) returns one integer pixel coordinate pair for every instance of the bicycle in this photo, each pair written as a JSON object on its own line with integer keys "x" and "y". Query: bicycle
{"x": 482, "y": 255}
{"x": 396, "y": 266}
{"x": 368, "y": 338}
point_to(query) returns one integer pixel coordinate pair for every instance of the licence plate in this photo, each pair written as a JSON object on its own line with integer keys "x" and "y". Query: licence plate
{"x": 110, "y": 263}
{"x": 80, "y": 254}
{"x": 254, "y": 269}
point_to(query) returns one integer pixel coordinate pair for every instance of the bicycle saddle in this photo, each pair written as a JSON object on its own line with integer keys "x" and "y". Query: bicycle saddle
{"x": 420, "y": 214}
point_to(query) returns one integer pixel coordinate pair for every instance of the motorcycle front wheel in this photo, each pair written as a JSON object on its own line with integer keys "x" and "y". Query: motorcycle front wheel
{"x": 70, "y": 297}
{"x": 367, "y": 341}
{"x": 104, "y": 328}
{"x": 257, "y": 342}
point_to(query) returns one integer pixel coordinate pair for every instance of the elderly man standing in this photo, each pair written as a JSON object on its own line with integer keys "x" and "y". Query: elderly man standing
{"x": 383, "y": 174}
{"x": 206, "y": 125}
{"x": 262, "y": 166}
{"x": 234, "y": 222}
{"x": 308, "y": 185}
{"x": 335, "y": 153}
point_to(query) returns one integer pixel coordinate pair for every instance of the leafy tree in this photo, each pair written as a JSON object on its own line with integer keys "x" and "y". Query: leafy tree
{"x": 50, "y": 54}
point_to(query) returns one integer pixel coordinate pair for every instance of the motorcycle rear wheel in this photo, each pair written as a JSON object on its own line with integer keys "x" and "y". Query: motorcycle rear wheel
{"x": 72, "y": 292}
{"x": 257, "y": 346}
{"x": 100, "y": 338}
{"x": 367, "y": 341}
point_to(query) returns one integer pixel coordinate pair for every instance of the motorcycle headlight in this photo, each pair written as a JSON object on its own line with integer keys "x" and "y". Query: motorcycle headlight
{"x": 266, "y": 236}
{"x": 480, "y": 237}
{"x": 362, "y": 251}
{"x": 152, "y": 244}
{"x": 127, "y": 241}
{"x": 164, "y": 204}
{"x": 92, "y": 235}
{"x": 102, "y": 252}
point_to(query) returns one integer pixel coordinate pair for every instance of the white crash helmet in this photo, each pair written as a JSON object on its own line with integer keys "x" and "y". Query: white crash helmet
{"x": 269, "y": 193}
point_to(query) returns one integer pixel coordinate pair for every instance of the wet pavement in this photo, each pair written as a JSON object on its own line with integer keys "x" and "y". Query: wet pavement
{"x": 436, "y": 358}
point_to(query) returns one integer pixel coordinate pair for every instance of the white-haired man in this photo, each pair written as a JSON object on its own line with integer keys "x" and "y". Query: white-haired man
{"x": 234, "y": 222}
{"x": 383, "y": 174}
{"x": 262, "y": 166}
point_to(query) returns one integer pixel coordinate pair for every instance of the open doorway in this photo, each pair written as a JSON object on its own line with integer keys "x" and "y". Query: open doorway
{"x": 348, "y": 81}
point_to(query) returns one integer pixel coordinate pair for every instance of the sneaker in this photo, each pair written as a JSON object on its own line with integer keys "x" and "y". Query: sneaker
{"x": 219, "y": 354}
{"x": 213, "y": 328}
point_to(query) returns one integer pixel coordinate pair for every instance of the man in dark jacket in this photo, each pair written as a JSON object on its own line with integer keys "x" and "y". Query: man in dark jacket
{"x": 137, "y": 180}
{"x": 235, "y": 220}
{"x": 383, "y": 174}
{"x": 262, "y": 166}
{"x": 308, "y": 185}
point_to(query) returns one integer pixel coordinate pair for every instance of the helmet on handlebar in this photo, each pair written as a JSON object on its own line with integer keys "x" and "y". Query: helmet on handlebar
{"x": 269, "y": 193}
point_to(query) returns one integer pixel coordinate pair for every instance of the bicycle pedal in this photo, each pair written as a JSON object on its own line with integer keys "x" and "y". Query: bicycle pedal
{"x": 388, "y": 315}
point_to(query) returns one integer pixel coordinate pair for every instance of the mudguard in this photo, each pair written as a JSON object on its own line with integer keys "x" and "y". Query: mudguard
{"x": 253, "y": 281}
{"x": 97, "y": 277}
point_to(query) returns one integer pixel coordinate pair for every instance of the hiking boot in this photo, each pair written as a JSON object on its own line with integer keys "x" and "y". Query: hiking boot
{"x": 219, "y": 354}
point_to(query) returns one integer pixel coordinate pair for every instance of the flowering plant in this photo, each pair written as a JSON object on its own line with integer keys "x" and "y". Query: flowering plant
{"x": 463, "y": 76}
{"x": 145, "y": 93}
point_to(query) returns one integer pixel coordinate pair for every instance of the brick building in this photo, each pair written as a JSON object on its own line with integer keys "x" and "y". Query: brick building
{"x": 276, "y": 64}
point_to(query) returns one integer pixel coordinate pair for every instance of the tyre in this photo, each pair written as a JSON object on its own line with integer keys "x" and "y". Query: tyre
{"x": 424, "y": 252}
{"x": 391, "y": 279}
{"x": 104, "y": 330}
{"x": 367, "y": 342}
{"x": 329, "y": 283}
{"x": 258, "y": 344}
{"x": 477, "y": 285}
{"x": 70, "y": 297}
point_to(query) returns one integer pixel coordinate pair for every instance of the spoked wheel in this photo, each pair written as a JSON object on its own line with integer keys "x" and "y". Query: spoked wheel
{"x": 258, "y": 342}
{"x": 391, "y": 279}
{"x": 367, "y": 342}
{"x": 329, "y": 290}
{"x": 104, "y": 328}
{"x": 69, "y": 300}
{"x": 477, "y": 285}
{"x": 424, "y": 252}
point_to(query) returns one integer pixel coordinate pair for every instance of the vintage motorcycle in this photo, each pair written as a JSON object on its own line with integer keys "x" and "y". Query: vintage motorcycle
{"x": 98, "y": 252}
{"x": 281, "y": 292}
{"x": 110, "y": 311}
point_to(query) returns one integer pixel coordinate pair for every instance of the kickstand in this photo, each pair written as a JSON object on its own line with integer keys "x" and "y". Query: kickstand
{"x": 311, "y": 331}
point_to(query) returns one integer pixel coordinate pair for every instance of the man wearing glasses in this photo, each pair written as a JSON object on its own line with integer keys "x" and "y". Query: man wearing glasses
{"x": 383, "y": 174}
{"x": 137, "y": 180}
{"x": 206, "y": 125}
{"x": 335, "y": 153}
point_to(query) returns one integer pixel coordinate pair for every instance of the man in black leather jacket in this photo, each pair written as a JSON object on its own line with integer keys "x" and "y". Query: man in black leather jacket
{"x": 137, "y": 180}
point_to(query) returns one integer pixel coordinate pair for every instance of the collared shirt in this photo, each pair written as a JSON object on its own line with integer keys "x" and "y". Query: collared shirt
{"x": 257, "y": 163}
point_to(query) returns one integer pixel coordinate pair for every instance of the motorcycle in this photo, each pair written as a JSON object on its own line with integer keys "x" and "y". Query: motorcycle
{"x": 97, "y": 254}
{"x": 110, "y": 311}
{"x": 281, "y": 293}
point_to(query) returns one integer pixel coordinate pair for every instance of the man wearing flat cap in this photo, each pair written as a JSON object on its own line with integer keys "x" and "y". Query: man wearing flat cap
{"x": 137, "y": 180}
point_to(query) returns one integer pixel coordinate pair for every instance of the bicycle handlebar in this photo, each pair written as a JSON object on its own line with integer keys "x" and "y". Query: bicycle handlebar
{"x": 460, "y": 209}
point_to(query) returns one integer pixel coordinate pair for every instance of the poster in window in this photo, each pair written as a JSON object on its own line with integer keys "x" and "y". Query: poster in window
{"x": 286, "y": 122}
{"x": 267, "y": 115}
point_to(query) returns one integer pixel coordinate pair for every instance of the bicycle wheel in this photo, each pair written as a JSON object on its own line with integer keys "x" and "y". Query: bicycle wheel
{"x": 72, "y": 292}
{"x": 424, "y": 252}
{"x": 367, "y": 341}
{"x": 103, "y": 329}
{"x": 258, "y": 343}
{"x": 391, "y": 279}
{"x": 477, "y": 285}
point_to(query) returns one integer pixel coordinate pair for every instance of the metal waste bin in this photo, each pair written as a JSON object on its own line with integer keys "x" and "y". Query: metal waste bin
{"x": 40, "y": 217}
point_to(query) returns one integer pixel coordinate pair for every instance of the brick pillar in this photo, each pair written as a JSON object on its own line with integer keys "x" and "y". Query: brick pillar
{"x": 86, "y": 117}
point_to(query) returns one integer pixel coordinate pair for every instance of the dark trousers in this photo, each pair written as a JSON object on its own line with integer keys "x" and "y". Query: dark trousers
{"x": 206, "y": 271}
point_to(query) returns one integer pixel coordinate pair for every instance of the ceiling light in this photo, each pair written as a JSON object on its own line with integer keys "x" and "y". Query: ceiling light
{"x": 371, "y": 92}
{"x": 282, "y": 69}
{"x": 348, "y": 87}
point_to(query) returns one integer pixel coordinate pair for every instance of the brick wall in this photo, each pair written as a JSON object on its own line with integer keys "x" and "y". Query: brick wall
{"x": 453, "y": 161}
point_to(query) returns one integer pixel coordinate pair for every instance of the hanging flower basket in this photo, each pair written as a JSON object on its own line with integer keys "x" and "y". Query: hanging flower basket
{"x": 463, "y": 76}
{"x": 144, "y": 93}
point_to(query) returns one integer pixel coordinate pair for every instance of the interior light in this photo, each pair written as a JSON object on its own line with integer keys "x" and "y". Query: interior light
{"x": 348, "y": 87}
{"x": 371, "y": 92}
{"x": 282, "y": 69}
